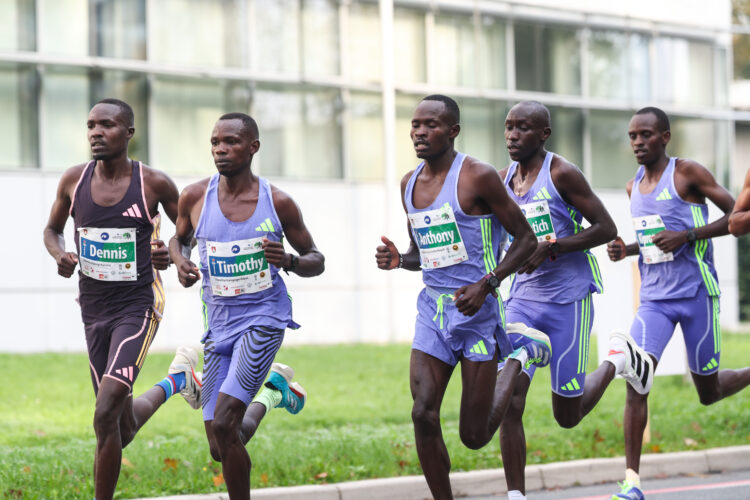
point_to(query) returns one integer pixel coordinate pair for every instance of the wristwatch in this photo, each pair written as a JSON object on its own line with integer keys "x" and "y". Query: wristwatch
{"x": 553, "y": 249}
{"x": 292, "y": 263}
{"x": 493, "y": 282}
{"x": 691, "y": 237}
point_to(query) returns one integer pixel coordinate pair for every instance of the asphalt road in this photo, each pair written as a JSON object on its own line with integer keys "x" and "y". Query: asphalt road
{"x": 722, "y": 486}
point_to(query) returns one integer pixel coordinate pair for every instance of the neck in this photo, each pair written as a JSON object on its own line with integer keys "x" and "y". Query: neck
{"x": 114, "y": 167}
{"x": 238, "y": 183}
{"x": 442, "y": 162}
{"x": 658, "y": 166}
{"x": 533, "y": 162}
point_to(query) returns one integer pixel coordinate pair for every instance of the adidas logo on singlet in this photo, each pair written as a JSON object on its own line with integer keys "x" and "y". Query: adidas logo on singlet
{"x": 133, "y": 211}
{"x": 266, "y": 226}
{"x": 542, "y": 194}
{"x": 664, "y": 195}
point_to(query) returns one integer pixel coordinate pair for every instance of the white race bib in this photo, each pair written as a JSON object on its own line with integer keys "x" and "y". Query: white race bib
{"x": 645, "y": 229}
{"x": 540, "y": 220}
{"x": 436, "y": 234}
{"x": 237, "y": 267}
{"x": 107, "y": 254}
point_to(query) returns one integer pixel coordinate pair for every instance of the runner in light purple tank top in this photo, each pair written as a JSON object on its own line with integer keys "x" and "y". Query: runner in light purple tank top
{"x": 457, "y": 208}
{"x": 239, "y": 221}
{"x": 678, "y": 279}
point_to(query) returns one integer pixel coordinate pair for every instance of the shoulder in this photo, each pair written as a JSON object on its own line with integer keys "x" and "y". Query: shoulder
{"x": 563, "y": 171}
{"x": 629, "y": 185}
{"x": 70, "y": 178}
{"x": 479, "y": 170}
{"x": 504, "y": 172}
{"x": 194, "y": 192}
{"x": 154, "y": 178}
{"x": 282, "y": 201}
{"x": 691, "y": 169}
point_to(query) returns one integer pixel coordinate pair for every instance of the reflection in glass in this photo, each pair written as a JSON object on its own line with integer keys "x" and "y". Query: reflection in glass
{"x": 406, "y": 159}
{"x": 17, "y": 25}
{"x": 454, "y": 59}
{"x": 120, "y": 28}
{"x": 685, "y": 71}
{"x": 409, "y": 45}
{"x": 65, "y": 109}
{"x": 618, "y": 65}
{"x": 200, "y": 33}
{"x": 567, "y": 134}
{"x": 492, "y": 61}
{"x": 64, "y": 27}
{"x": 300, "y": 132}
{"x": 18, "y": 121}
{"x": 276, "y": 36}
{"x": 695, "y": 139}
{"x": 365, "y": 137}
{"x": 365, "y": 49}
{"x": 482, "y": 131}
{"x": 547, "y": 59}
{"x": 320, "y": 32}
{"x": 613, "y": 163}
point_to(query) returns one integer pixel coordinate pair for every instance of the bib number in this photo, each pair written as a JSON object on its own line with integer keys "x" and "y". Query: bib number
{"x": 540, "y": 219}
{"x": 645, "y": 229}
{"x": 436, "y": 234}
{"x": 107, "y": 254}
{"x": 237, "y": 267}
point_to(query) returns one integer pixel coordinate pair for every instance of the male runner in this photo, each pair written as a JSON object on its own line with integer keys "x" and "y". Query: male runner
{"x": 457, "y": 207}
{"x": 552, "y": 291}
{"x": 739, "y": 220}
{"x": 239, "y": 221}
{"x": 114, "y": 204}
{"x": 678, "y": 279}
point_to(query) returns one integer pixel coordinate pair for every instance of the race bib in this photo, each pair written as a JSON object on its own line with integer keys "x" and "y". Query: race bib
{"x": 437, "y": 236}
{"x": 645, "y": 229}
{"x": 237, "y": 267}
{"x": 107, "y": 254}
{"x": 540, "y": 220}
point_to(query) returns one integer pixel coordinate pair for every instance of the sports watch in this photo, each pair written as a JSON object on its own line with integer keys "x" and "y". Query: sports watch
{"x": 691, "y": 237}
{"x": 553, "y": 249}
{"x": 493, "y": 282}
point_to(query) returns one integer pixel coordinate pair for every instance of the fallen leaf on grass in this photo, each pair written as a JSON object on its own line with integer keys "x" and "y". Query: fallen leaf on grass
{"x": 26, "y": 468}
{"x": 322, "y": 475}
{"x": 127, "y": 463}
{"x": 598, "y": 436}
{"x": 690, "y": 442}
{"x": 696, "y": 426}
{"x": 402, "y": 463}
{"x": 655, "y": 448}
{"x": 264, "y": 478}
{"x": 170, "y": 463}
{"x": 218, "y": 479}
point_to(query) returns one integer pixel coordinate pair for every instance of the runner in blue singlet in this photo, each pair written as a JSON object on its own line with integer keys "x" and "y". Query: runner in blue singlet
{"x": 678, "y": 279}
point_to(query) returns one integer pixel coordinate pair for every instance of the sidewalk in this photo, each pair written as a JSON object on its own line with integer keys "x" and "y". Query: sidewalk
{"x": 492, "y": 481}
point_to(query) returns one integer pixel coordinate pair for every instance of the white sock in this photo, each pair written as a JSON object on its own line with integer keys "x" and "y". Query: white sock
{"x": 618, "y": 359}
{"x": 632, "y": 477}
{"x": 522, "y": 356}
{"x": 516, "y": 495}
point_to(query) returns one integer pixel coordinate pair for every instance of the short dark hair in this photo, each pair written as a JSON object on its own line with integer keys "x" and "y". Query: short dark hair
{"x": 247, "y": 121}
{"x": 451, "y": 106}
{"x": 662, "y": 120}
{"x": 125, "y": 110}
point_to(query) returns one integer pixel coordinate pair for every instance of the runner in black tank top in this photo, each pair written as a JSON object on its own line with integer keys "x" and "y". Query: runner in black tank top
{"x": 114, "y": 203}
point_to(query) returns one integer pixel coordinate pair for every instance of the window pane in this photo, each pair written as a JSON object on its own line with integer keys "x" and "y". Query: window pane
{"x": 406, "y": 158}
{"x": 453, "y": 58}
{"x": 409, "y": 46}
{"x": 482, "y": 131}
{"x": 276, "y": 42}
{"x": 300, "y": 132}
{"x": 200, "y": 33}
{"x": 492, "y": 61}
{"x": 695, "y": 139}
{"x": 567, "y": 134}
{"x": 17, "y": 25}
{"x": 685, "y": 72}
{"x": 320, "y": 28}
{"x": 184, "y": 113}
{"x": 613, "y": 163}
{"x": 547, "y": 59}
{"x": 365, "y": 50}
{"x": 65, "y": 105}
{"x": 120, "y": 28}
{"x": 18, "y": 121}
{"x": 722, "y": 68}
{"x": 365, "y": 136}
{"x": 64, "y": 27}
{"x": 131, "y": 88}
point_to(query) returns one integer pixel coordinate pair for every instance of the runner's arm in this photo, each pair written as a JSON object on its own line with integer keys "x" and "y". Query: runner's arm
{"x": 387, "y": 256}
{"x": 181, "y": 243}
{"x": 54, "y": 239}
{"x": 739, "y": 220}
{"x": 311, "y": 261}
{"x": 617, "y": 249}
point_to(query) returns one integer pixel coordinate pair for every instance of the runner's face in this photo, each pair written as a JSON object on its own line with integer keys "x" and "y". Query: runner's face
{"x": 432, "y": 130}
{"x": 648, "y": 142}
{"x": 232, "y": 147}
{"x": 524, "y": 134}
{"x": 108, "y": 133}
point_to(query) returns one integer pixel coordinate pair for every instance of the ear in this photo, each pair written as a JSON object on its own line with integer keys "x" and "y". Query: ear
{"x": 455, "y": 130}
{"x": 546, "y": 132}
{"x": 131, "y": 132}
{"x": 254, "y": 146}
{"x": 666, "y": 136}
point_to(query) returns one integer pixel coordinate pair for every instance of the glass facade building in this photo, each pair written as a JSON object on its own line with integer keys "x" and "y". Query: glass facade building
{"x": 312, "y": 73}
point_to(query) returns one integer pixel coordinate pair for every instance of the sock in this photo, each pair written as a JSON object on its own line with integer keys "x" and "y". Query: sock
{"x": 516, "y": 495}
{"x": 174, "y": 382}
{"x": 633, "y": 478}
{"x": 618, "y": 359}
{"x": 270, "y": 398}
{"x": 521, "y": 354}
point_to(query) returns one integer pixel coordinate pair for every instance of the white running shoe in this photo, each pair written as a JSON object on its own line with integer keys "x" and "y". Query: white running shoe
{"x": 185, "y": 361}
{"x": 639, "y": 367}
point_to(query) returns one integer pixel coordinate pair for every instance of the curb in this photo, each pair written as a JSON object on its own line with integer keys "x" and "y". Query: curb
{"x": 492, "y": 481}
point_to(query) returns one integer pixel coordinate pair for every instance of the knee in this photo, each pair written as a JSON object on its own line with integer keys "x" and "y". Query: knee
{"x": 567, "y": 412}
{"x": 472, "y": 438}
{"x": 213, "y": 447}
{"x": 425, "y": 419}
{"x": 566, "y": 420}
{"x": 105, "y": 420}
{"x": 708, "y": 397}
{"x": 222, "y": 429}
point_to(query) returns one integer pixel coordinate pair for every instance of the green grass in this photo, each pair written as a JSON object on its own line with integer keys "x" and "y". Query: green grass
{"x": 356, "y": 425}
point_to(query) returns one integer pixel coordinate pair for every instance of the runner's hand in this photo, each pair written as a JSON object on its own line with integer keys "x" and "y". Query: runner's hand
{"x": 616, "y": 249}
{"x": 669, "y": 241}
{"x": 536, "y": 259}
{"x": 469, "y": 298}
{"x": 386, "y": 255}
{"x": 275, "y": 253}
{"x": 159, "y": 255}
{"x": 66, "y": 264}
{"x": 187, "y": 273}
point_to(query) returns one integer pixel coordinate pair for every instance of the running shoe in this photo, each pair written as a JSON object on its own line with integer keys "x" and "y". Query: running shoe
{"x": 628, "y": 492}
{"x": 185, "y": 361}
{"x": 639, "y": 367}
{"x": 535, "y": 342}
{"x": 293, "y": 395}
